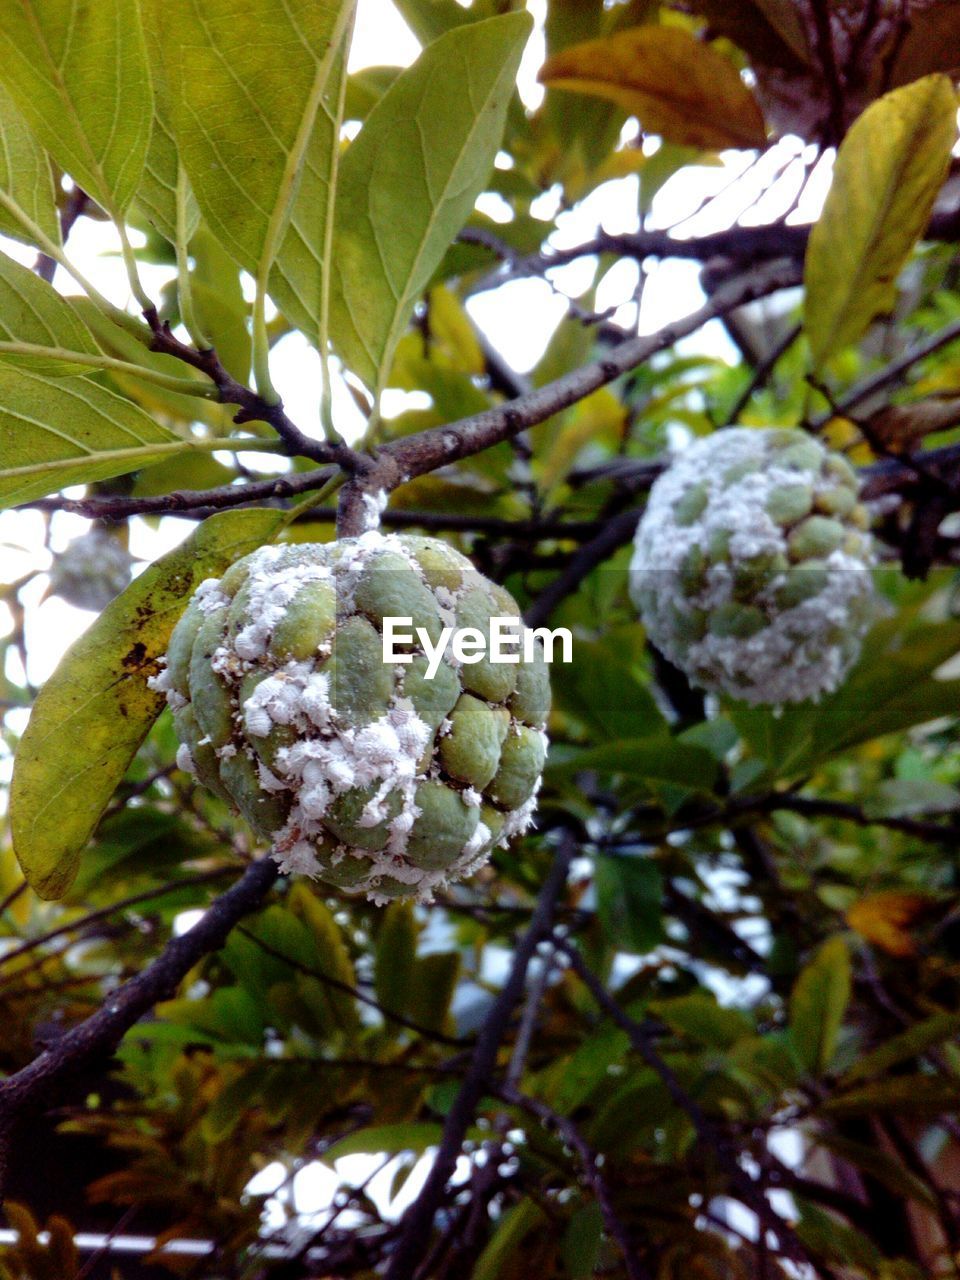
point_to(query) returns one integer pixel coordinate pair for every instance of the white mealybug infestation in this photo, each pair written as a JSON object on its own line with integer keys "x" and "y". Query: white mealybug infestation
{"x": 751, "y": 567}
{"x": 363, "y": 773}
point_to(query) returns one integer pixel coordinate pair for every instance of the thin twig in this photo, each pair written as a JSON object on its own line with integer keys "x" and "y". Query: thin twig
{"x": 617, "y": 531}
{"x": 402, "y": 460}
{"x": 416, "y": 1223}
{"x": 104, "y": 913}
{"x": 761, "y": 374}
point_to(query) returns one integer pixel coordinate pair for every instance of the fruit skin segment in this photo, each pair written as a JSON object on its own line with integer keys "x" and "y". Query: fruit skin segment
{"x": 362, "y": 773}
{"x": 751, "y": 565}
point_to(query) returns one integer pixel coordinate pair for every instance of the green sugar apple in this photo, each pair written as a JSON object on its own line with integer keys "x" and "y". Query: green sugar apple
{"x": 91, "y": 570}
{"x": 751, "y": 565}
{"x": 364, "y": 773}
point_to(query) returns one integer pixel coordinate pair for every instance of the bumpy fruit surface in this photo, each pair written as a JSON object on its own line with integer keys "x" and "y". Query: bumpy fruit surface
{"x": 363, "y": 773}
{"x": 751, "y": 567}
{"x": 91, "y": 570}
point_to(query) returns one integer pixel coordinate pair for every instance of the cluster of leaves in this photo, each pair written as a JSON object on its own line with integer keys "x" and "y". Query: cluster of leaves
{"x": 756, "y": 947}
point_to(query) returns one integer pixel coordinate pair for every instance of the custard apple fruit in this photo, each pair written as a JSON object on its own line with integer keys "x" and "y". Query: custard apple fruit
{"x": 364, "y": 773}
{"x": 91, "y": 570}
{"x": 751, "y": 567}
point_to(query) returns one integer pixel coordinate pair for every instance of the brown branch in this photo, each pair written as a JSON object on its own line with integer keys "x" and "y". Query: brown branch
{"x": 615, "y": 533}
{"x": 812, "y": 806}
{"x": 75, "y": 207}
{"x": 416, "y": 455}
{"x": 42, "y": 1080}
{"x": 761, "y": 373}
{"x": 831, "y": 72}
{"x": 416, "y": 1223}
{"x": 251, "y": 407}
{"x": 198, "y": 502}
{"x": 777, "y": 801}
{"x": 744, "y": 245}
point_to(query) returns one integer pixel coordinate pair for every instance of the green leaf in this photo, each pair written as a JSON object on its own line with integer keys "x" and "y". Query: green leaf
{"x": 331, "y": 957}
{"x": 629, "y": 896}
{"x": 430, "y": 19}
{"x": 251, "y": 96}
{"x": 913, "y": 1095}
{"x": 69, "y": 431}
{"x": 509, "y": 1234}
{"x": 25, "y": 176}
{"x": 650, "y": 759}
{"x": 700, "y": 1017}
{"x": 817, "y": 1004}
{"x": 78, "y": 74}
{"x": 908, "y": 1044}
{"x": 604, "y": 689}
{"x": 888, "y": 171}
{"x": 891, "y": 688}
{"x": 572, "y": 1079}
{"x": 434, "y": 982}
{"x": 677, "y": 86}
{"x": 409, "y": 181}
{"x": 581, "y": 1242}
{"x": 885, "y": 1168}
{"x": 395, "y": 957}
{"x": 32, "y": 311}
{"x": 219, "y": 303}
{"x": 157, "y": 193}
{"x": 92, "y": 714}
{"x": 828, "y": 1236}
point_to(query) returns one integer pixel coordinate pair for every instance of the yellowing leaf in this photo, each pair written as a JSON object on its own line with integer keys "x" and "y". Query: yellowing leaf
{"x": 70, "y": 431}
{"x": 92, "y": 714}
{"x": 31, "y": 311}
{"x": 889, "y": 169}
{"x": 678, "y": 87}
{"x": 25, "y": 176}
{"x": 885, "y": 919}
{"x": 78, "y": 73}
{"x": 250, "y": 95}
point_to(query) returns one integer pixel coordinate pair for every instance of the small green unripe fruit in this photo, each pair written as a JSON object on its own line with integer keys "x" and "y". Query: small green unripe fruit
{"x": 751, "y": 569}
{"x": 370, "y": 775}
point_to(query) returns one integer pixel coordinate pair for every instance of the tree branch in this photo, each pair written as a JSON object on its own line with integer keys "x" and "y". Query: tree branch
{"x": 615, "y": 533}
{"x": 416, "y": 455}
{"x": 417, "y": 1221}
{"x": 40, "y": 1081}
{"x": 831, "y": 72}
{"x": 744, "y": 245}
{"x": 251, "y": 407}
{"x": 197, "y": 502}
{"x": 76, "y": 206}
